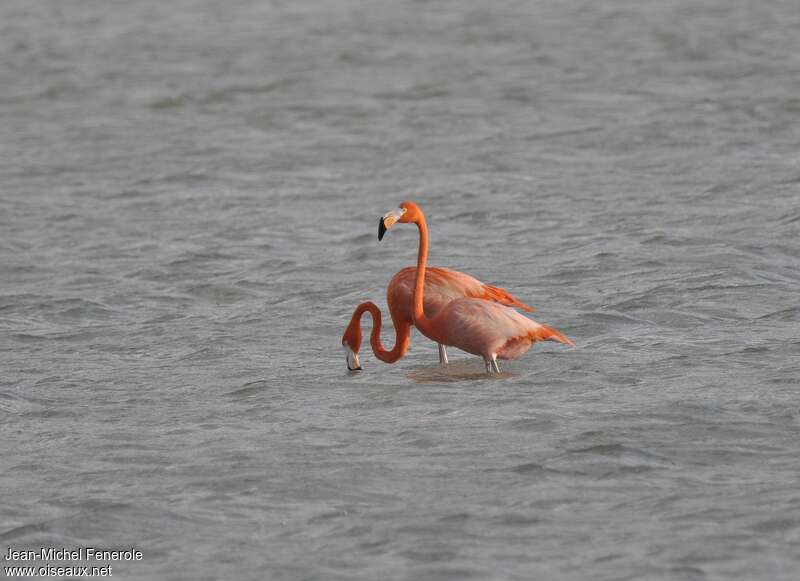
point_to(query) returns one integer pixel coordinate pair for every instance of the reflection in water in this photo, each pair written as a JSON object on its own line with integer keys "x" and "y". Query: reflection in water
{"x": 464, "y": 370}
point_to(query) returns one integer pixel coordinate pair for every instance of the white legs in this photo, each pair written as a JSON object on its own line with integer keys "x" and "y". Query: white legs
{"x": 442, "y": 356}
{"x": 491, "y": 365}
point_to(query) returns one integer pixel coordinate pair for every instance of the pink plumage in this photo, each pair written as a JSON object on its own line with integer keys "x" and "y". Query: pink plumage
{"x": 442, "y": 286}
{"x": 491, "y": 330}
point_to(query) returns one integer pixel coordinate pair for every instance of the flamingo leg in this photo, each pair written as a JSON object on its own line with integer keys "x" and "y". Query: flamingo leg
{"x": 488, "y": 365}
{"x": 494, "y": 364}
{"x": 443, "y": 355}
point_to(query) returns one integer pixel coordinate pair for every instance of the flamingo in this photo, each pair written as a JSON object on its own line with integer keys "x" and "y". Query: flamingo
{"x": 442, "y": 285}
{"x": 483, "y": 328}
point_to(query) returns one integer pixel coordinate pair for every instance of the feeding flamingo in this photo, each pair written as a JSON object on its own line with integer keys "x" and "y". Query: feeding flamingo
{"x": 479, "y": 327}
{"x": 442, "y": 285}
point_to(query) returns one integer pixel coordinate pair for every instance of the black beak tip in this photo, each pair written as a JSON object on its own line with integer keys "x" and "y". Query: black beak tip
{"x": 381, "y": 230}
{"x": 351, "y": 369}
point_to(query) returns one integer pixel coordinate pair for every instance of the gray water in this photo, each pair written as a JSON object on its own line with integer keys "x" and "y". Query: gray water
{"x": 189, "y": 197}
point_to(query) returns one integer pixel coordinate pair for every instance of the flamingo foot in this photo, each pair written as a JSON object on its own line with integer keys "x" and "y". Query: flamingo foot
{"x": 443, "y": 356}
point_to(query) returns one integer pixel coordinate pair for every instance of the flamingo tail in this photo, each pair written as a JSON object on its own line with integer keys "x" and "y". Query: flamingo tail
{"x": 502, "y": 296}
{"x": 546, "y": 333}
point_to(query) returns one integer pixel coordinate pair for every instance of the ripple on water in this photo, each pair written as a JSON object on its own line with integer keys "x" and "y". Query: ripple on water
{"x": 16, "y": 403}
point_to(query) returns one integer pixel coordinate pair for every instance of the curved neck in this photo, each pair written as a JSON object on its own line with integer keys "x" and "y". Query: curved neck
{"x": 418, "y": 312}
{"x": 402, "y": 334}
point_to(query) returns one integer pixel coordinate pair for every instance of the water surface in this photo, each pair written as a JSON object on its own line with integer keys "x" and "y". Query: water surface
{"x": 189, "y": 195}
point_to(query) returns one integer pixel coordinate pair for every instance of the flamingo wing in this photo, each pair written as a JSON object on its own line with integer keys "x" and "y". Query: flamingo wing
{"x": 442, "y": 286}
{"x": 463, "y": 285}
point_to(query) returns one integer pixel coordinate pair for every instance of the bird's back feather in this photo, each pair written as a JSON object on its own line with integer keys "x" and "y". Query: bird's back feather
{"x": 442, "y": 286}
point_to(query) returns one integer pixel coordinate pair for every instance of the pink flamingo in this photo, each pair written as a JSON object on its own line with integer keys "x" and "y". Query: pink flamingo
{"x": 442, "y": 285}
{"x": 476, "y": 326}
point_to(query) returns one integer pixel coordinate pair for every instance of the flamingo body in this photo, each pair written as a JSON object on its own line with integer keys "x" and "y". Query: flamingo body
{"x": 489, "y": 329}
{"x": 441, "y": 287}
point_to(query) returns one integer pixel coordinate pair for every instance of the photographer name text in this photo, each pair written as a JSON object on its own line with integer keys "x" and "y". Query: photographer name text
{"x": 74, "y": 554}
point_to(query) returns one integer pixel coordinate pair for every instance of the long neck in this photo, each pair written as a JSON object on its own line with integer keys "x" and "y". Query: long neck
{"x": 402, "y": 334}
{"x": 418, "y": 312}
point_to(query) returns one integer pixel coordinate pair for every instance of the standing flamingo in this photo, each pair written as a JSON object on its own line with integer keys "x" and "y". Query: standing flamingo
{"x": 479, "y": 327}
{"x": 442, "y": 285}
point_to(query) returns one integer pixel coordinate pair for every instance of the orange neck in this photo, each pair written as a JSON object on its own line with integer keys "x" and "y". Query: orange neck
{"x": 418, "y": 312}
{"x": 402, "y": 334}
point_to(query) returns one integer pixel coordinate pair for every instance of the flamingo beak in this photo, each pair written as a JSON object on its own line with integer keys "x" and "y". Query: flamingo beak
{"x": 389, "y": 220}
{"x": 353, "y": 364}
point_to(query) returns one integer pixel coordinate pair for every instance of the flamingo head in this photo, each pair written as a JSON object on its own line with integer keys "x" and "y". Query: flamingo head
{"x": 407, "y": 212}
{"x": 351, "y": 343}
